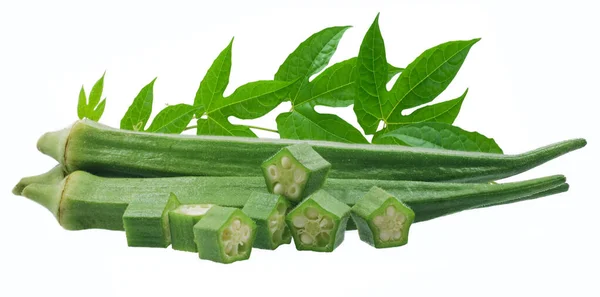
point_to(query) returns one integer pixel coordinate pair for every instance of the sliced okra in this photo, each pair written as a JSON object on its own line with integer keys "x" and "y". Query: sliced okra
{"x": 146, "y": 222}
{"x": 382, "y": 219}
{"x": 182, "y": 220}
{"x": 268, "y": 212}
{"x": 295, "y": 172}
{"x": 224, "y": 235}
{"x": 318, "y": 223}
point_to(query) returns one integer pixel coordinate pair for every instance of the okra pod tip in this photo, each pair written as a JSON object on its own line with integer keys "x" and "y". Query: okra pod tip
{"x": 55, "y": 175}
{"x": 48, "y": 195}
{"x": 53, "y": 144}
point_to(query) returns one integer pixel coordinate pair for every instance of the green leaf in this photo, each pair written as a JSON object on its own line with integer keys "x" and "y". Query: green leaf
{"x": 139, "y": 112}
{"x": 215, "y": 81}
{"x": 420, "y": 83}
{"x": 173, "y": 119}
{"x": 372, "y": 69}
{"x": 249, "y": 101}
{"x": 92, "y": 108}
{"x": 310, "y": 57}
{"x": 82, "y": 104}
{"x": 96, "y": 114}
{"x": 219, "y": 125}
{"x": 444, "y": 112}
{"x": 96, "y": 93}
{"x": 253, "y": 100}
{"x": 333, "y": 87}
{"x": 427, "y": 77}
{"x": 305, "y": 123}
{"x": 336, "y": 85}
{"x": 441, "y": 136}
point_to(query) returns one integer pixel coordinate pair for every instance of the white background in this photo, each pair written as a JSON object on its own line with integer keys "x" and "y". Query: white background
{"x": 533, "y": 80}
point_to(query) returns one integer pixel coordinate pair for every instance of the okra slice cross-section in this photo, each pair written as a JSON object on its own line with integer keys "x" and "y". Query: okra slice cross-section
{"x": 295, "y": 172}
{"x": 182, "y": 221}
{"x": 224, "y": 235}
{"x": 268, "y": 212}
{"x": 146, "y": 222}
{"x": 318, "y": 223}
{"x": 382, "y": 219}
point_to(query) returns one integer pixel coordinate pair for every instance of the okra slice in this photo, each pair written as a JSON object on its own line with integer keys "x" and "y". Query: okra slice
{"x": 318, "y": 223}
{"x": 382, "y": 219}
{"x": 182, "y": 220}
{"x": 295, "y": 172}
{"x": 224, "y": 235}
{"x": 268, "y": 212}
{"x": 146, "y": 222}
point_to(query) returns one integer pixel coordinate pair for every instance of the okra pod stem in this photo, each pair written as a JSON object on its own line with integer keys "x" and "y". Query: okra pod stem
{"x": 102, "y": 150}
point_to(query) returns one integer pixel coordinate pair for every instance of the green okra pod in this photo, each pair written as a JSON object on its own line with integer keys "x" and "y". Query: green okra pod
{"x": 83, "y": 201}
{"x": 96, "y": 148}
{"x": 146, "y": 221}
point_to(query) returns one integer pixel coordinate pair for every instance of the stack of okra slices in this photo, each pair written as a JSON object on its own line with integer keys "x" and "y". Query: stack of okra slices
{"x": 295, "y": 207}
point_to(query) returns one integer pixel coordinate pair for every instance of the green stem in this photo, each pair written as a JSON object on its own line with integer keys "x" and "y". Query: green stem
{"x": 264, "y": 129}
{"x": 252, "y": 127}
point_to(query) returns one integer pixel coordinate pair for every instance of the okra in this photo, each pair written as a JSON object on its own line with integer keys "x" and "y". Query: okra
{"x": 224, "y": 235}
{"x": 182, "y": 221}
{"x": 146, "y": 221}
{"x": 318, "y": 223}
{"x": 84, "y": 201}
{"x": 382, "y": 219}
{"x": 295, "y": 172}
{"x": 268, "y": 212}
{"x": 96, "y": 148}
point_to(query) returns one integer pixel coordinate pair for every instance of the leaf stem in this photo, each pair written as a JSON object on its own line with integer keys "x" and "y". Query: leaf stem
{"x": 261, "y": 128}
{"x": 252, "y": 127}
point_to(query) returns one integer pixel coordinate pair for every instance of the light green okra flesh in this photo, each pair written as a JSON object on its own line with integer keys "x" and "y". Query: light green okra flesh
{"x": 182, "y": 221}
{"x": 85, "y": 201}
{"x": 295, "y": 172}
{"x": 98, "y": 149}
{"x": 318, "y": 223}
{"x": 382, "y": 219}
{"x": 224, "y": 235}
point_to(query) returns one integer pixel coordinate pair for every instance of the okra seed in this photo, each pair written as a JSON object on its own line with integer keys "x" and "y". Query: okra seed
{"x": 390, "y": 210}
{"x": 400, "y": 219}
{"x": 299, "y": 175}
{"x": 245, "y": 233}
{"x": 236, "y": 224}
{"x": 227, "y": 234}
{"x": 397, "y": 235}
{"x": 292, "y": 189}
{"x": 281, "y": 209}
{"x": 273, "y": 171}
{"x": 228, "y": 247}
{"x": 326, "y": 223}
{"x": 378, "y": 221}
{"x": 385, "y": 235}
{"x": 278, "y": 189}
{"x": 306, "y": 239}
{"x": 323, "y": 238}
{"x": 311, "y": 213}
{"x": 286, "y": 162}
{"x": 299, "y": 221}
